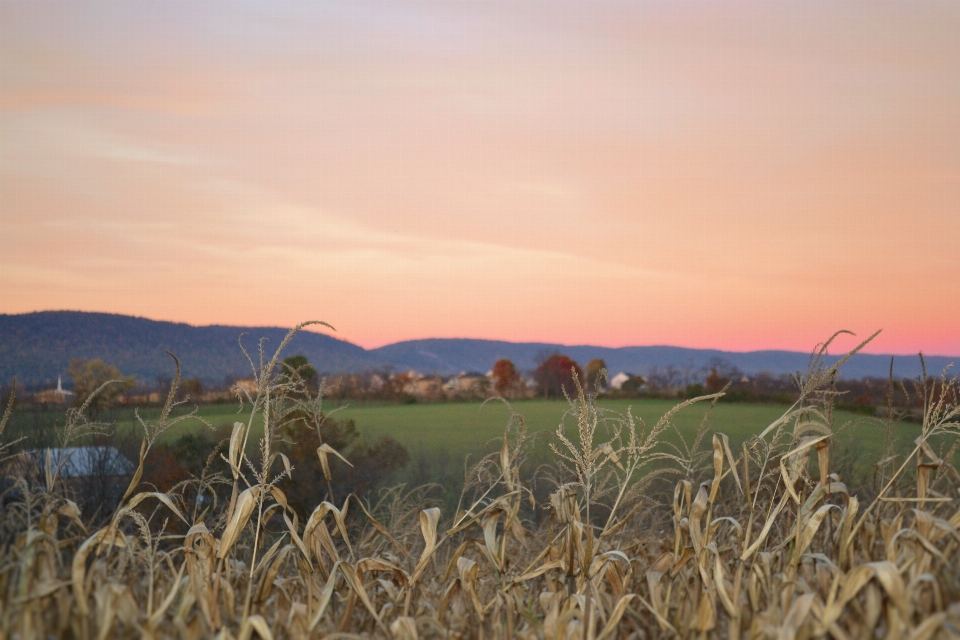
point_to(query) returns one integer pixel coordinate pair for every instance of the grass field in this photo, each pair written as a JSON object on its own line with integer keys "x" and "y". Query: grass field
{"x": 445, "y": 433}
{"x": 472, "y": 427}
{"x": 442, "y": 438}
{"x": 449, "y": 432}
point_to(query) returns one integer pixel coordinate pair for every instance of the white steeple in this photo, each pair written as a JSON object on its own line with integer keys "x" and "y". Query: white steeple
{"x": 60, "y": 389}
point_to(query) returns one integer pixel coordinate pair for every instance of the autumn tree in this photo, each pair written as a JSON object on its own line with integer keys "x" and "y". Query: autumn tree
{"x": 554, "y": 376}
{"x": 715, "y": 381}
{"x": 299, "y": 367}
{"x": 722, "y": 371}
{"x": 192, "y": 388}
{"x": 506, "y": 377}
{"x": 90, "y": 375}
{"x": 594, "y": 379}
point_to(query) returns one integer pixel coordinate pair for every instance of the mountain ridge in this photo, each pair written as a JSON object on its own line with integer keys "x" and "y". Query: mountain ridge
{"x": 471, "y": 353}
{"x": 37, "y": 347}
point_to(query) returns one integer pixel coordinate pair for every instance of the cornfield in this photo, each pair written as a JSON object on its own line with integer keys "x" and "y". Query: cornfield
{"x": 642, "y": 536}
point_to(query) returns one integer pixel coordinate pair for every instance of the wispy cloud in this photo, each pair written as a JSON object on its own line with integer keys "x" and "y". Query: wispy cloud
{"x": 727, "y": 175}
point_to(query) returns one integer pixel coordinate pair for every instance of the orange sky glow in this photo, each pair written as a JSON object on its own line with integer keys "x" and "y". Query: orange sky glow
{"x": 730, "y": 175}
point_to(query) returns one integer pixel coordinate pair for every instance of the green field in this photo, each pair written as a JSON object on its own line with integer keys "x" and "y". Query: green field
{"x": 473, "y": 428}
{"x": 439, "y": 436}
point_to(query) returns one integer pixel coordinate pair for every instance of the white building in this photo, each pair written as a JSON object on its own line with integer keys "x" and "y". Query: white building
{"x": 616, "y": 382}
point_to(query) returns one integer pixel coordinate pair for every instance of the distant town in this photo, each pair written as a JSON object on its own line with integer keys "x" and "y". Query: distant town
{"x": 557, "y": 376}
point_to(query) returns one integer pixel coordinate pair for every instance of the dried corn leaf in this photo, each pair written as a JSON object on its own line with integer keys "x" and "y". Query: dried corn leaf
{"x": 162, "y": 497}
{"x": 492, "y": 543}
{"x": 317, "y": 517}
{"x": 429, "y": 520}
{"x": 235, "y": 450}
{"x": 376, "y": 525}
{"x": 467, "y": 570}
{"x": 610, "y": 628}
{"x": 539, "y": 571}
{"x": 811, "y": 527}
{"x": 325, "y": 597}
{"x": 159, "y": 612}
{"x": 106, "y": 536}
{"x": 379, "y": 564}
{"x": 255, "y": 623}
{"x": 749, "y": 551}
{"x": 355, "y": 582}
{"x": 246, "y": 503}
{"x": 323, "y": 451}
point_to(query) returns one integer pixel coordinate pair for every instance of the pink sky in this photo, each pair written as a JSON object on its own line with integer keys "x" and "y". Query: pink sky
{"x": 731, "y": 175}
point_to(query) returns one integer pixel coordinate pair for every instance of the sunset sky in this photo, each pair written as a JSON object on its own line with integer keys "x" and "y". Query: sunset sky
{"x": 718, "y": 174}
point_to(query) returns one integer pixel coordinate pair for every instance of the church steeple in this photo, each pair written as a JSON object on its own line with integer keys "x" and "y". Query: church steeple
{"x": 61, "y": 390}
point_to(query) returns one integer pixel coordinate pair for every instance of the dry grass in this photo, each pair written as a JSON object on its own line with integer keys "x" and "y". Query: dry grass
{"x": 761, "y": 542}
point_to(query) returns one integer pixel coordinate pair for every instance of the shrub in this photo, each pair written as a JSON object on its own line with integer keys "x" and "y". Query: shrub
{"x": 368, "y": 468}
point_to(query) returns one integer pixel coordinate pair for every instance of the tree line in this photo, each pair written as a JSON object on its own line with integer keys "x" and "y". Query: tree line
{"x": 552, "y": 377}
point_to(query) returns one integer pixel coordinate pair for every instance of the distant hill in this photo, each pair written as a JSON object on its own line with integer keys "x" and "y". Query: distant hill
{"x": 37, "y": 347}
{"x": 454, "y": 355}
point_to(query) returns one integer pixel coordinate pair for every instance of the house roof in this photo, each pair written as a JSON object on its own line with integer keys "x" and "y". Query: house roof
{"x": 83, "y": 462}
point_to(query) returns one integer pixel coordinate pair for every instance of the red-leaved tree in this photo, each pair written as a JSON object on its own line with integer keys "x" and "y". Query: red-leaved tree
{"x": 554, "y": 376}
{"x": 505, "y": 376}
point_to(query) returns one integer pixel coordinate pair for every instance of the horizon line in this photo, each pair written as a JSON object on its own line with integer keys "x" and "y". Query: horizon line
{"x": 518, "y": 342}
